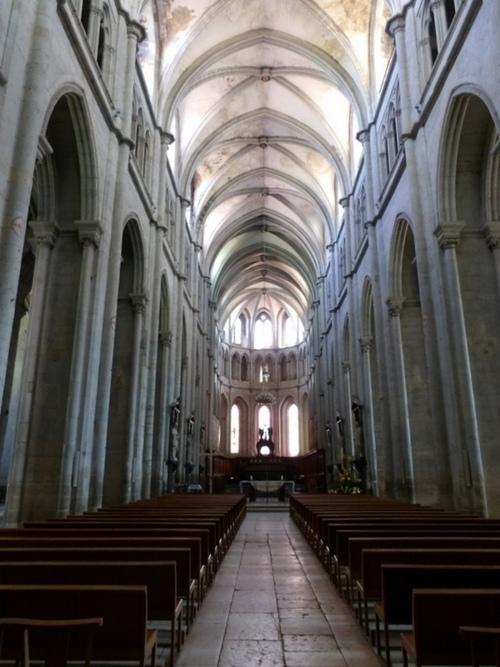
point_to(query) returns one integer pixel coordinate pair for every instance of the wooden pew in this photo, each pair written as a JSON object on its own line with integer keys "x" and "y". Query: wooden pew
{"x": 102, "y": 554}
{"x": 52, "y": 638}
{"x": 131, "y": 540}
{"x": 340, "y": 553}
{"x": 93, "y": 530}
{"x": 328, "y": 523}
{"x": 137, "y": 524}
{"x": 479, "y": 636}
{"x": 124, "y": 635}
{"x": 436, "y": 619}
{"x": 369, "y": 585}
{"x": 358, "y": 544}
{"x": 158, "y": 577}
{"x": 178, "y": 516}
{"x": 398, "y": 582}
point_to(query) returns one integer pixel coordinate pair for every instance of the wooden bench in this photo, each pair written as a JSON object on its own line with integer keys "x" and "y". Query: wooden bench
{"x": 137, "y": 524}
{"x": 369, "y": 585}
{"x": 158, "y": 577}
{"x": 436, "y": 621}
{"x": 123, "y": 637}
{"x": 328, "y": 524}
{"x": 337, "y": 545}
{"x": 479, "y": 636}
{"x": 175, "y": 518}
{"x": 184, "y": 583}
{"x": 358, "y": 544}
{"x": 398, "y": 582}
{"x": 52, "y": 637}
{"x": 192, "y": 581}
{"x": 195, "y": 534}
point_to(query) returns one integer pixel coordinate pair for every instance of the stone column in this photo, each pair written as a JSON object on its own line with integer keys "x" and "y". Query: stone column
{"x": 151, "y": 402}
{"x": 134, "y": 33}
{"x": 395, "y": 305}
{"x": 492, "y": 231}
{"x": 93, "y": 29}
{"x": 133, "y": 462}
{"x": 448, "y": 235}
{"x": 89, "y": 233}
{"x": 151, "y": 459}
{"x": 440, "y": 22}
{"x": 45, "y": 235}
{"x": 366, "y": 343}
{"x": 160, "y": 469}
{"x": 15, "y": 211}
{"x": 349, "y": 431}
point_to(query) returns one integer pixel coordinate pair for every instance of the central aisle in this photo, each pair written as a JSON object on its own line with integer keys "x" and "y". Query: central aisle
{"x": 272, "y": 605}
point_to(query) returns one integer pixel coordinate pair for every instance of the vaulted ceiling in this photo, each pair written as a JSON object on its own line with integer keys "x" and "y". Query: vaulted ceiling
{"x": 264, "y": 99}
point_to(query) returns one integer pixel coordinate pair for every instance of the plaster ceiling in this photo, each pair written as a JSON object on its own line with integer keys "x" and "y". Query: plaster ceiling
{"x": 264, "y": 99}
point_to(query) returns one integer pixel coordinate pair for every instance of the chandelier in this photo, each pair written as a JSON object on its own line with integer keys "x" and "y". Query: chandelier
{"x": 264, "y": 397}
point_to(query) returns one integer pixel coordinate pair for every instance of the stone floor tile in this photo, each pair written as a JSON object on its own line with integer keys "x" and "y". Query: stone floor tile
{"x": 252, "y": 626}
{"x": 252, "y": 654}
{"x": 308, "y": 625}
{"x": 306, "y": 643}
{"x": 254, "y": 601}
{"x": 298, "y": 659}
{"x": 273, "y": 605}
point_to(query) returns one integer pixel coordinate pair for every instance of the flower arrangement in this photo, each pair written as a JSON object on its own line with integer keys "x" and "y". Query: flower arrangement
{"x": 347, "y": 479}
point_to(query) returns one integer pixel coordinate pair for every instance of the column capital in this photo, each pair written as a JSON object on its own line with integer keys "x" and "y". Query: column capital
{"x": 165, "y": 338}
{"x": 395, "y": 305}
{"x": 139, "y": 302}
{"x": 346, "y": 367}
{"x": 345, "y": 201}
{"x": 492, "y": 234}
{"x": 366, "y": 343}
{"x": 167, "y": 138}
{"x": 448, "y": 234}
{"x": 89, "y": 231}
{"x": 45, "y": 232}
{"x": 396, "y": 24}
{"x": 363, "y": 136}
{"x": 136, "y": 31}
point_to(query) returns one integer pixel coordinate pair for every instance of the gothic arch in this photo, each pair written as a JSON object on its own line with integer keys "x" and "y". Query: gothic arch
{"x": 62, "y": 217}
{"x": 286, "y": 438}
{"x": 468, "y": 201}
{"x": 245, "y": 446}
{"x": 415, "y": 459}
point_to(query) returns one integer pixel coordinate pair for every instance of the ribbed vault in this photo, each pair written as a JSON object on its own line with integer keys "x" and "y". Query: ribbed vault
{"x": 264, "y": 99}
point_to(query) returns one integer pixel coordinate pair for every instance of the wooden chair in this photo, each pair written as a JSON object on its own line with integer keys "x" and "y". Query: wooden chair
{"x": 56, "y": 637}
{"x": 479, "y": 635}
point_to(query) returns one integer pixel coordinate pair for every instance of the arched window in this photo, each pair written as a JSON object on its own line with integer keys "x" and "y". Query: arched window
{"x": 431, "y": 28}
{"x": 283, "y": 368}
{"x": 450, "y": 9}
{"x": 292, "y": 419}
{"x": 235, "y": 367}
{"x": 146, "y": 52}
{"x": 85, "y": 14}
{"x": 289, "y": 333}
{"x": 263, "y": 332}
{"x": 235, "y": 430}
{"x": 264, "y": 423}
{"x": 244, "y": 369}
{"x": 237, "y": 331}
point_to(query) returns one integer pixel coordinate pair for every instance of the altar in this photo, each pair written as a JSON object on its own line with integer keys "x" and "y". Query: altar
{"x": 267, "y": 489}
